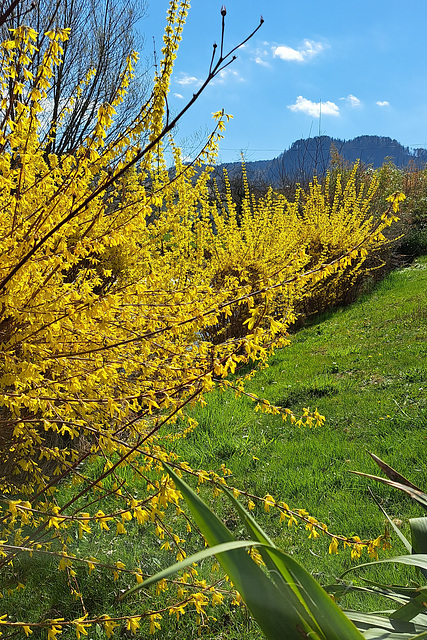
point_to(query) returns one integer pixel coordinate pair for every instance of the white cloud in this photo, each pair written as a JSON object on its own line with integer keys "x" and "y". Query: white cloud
{"x": 287, "y": 53}
{"x": 352, "y": 100}
{"x": 262, "y": 62}
{"x": 178, "y": 95}
{"x": 383, "y": 103}
{"x": 308, "y": 50}
{"x": 314, "y": 109}
{"x": 311, "y": 48}
{"x": 185, "y": 80}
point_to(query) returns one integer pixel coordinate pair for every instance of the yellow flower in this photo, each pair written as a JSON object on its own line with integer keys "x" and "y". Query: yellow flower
{"x": 177, "y": 610}
{"x": 102, "y": 519}
{"x": 109, "y": 625}
{"x": 81, "y": 627}
{"x": 133, "y": 624}
{"x": 356, "y": 549}
{"x": 269, "y": 501}
{"x": 217, "y": 115}
{"x": 217, "y": 597}
{"x": 199, "y": 600}
{"x": 396, "y": 198}
{"x": 161, "y": 586}
{"x": 310, "y": 525}
{"x": 237, "y": 600}
{"x": 373, "y": 547}
{"x": 54, "y": 521}
{"x": 120, "y": 527}
{"x": 333, "y": 547}
{"x": 83, "y": 525}
{"x": 54, "y": 631}
{"x": 154, "y": 617}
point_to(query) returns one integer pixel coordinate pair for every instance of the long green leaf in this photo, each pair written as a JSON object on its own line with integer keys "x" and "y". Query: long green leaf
{"x": 419, "y": 534}
{"x": 404, "y": 591}
{"x": 417, "y": 560}
{"x": 416, "y": 494}
{"x": 419, "y": 537}
{"x": 396, "y": 529}
{"x": 376, "y": 627}
{"x": 279, "y": 574}
{"x": 340, "y": 590}
{"x": 381, "y": 634}
{"x": 196, "y": 557}
{"x": 412, "y": 608}
{"x": 277, "y": 616}
{"x": 329, "y": 617}
{"x": 282, "y": 578}
{"x": 392, "y": 473}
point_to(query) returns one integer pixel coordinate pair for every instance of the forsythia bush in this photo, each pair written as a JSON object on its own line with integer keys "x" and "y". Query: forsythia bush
{"x": 126, "y": 295}
{"x": 332, "y": 217}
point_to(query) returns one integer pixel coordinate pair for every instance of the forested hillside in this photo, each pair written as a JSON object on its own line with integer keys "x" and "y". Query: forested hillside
{"x": 311, "y": 156}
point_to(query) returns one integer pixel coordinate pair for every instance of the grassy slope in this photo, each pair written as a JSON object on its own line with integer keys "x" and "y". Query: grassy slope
{"x": 365, "y": 369}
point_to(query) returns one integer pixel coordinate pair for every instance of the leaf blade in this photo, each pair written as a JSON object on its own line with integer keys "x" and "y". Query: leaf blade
{"x": 262, "y": 597}
{"x": 392, "y": 473}
{"x": 328, "y": 616}
{"x": 416, "y": 560}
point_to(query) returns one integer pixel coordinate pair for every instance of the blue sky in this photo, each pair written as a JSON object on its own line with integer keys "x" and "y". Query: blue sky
{"x": 339, "y": 68}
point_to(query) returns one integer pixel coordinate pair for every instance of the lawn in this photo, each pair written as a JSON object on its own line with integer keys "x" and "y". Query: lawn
{"x": 365, "y": 368}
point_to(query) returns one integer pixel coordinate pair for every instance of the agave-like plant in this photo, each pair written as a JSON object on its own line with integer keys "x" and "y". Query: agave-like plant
{"x": 410, "y": 614}
{"x": 286, "y": 601}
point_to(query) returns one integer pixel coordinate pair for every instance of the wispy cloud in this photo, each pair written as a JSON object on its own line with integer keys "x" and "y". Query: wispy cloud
{"x": 228, "y": 74}
{"x": 314, "y": 109}
{"x": 186, "y": 80}
{"x": 383, "y": 103}
{"x": 178, "y": 95}
{"x": 352, "y": 100}
{"x": 307, "y": 51}
{"x": 260, "y": 55}
{"x": 261, "y": 61}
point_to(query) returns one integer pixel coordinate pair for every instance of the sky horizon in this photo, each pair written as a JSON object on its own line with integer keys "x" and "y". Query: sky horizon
{"x": 342, "y": 71}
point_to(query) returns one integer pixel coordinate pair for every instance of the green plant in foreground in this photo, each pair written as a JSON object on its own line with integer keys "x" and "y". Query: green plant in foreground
{"x": 410, "y": 615}
{"x": 286, "y": 600}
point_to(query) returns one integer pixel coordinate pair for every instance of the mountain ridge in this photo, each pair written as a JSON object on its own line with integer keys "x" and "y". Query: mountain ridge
{"x": 307, "y": 157}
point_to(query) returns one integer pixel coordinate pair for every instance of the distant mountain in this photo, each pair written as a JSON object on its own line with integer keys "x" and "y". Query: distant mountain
{"x": 313, "y": 155}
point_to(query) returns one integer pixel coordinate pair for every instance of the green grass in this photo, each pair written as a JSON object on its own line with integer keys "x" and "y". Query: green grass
{"x": 365, "y": 368}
